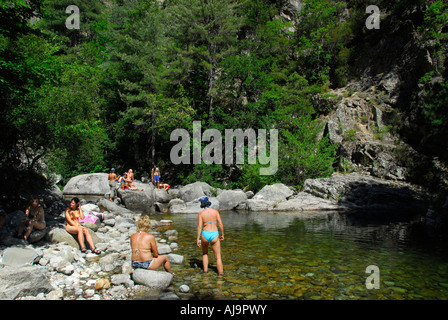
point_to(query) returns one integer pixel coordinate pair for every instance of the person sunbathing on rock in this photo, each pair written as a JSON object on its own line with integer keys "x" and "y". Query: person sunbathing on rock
{"x": 72, "y": 215}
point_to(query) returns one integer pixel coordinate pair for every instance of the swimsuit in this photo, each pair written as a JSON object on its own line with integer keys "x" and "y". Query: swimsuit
{"x": 156, "y": 174}
{"x": 141, "y": 264}
{"x": 209, "y": 235}
{"x": 74, "y": 219}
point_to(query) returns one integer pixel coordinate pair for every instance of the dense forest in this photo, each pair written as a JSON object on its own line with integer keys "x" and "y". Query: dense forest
{"x": 110, "y": 92}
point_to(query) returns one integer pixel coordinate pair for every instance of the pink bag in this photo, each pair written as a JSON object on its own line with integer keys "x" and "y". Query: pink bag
{"x": 88, "y": 218}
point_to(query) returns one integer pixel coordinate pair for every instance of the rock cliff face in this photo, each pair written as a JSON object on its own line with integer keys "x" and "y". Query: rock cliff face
{"x": 375, "y": 119}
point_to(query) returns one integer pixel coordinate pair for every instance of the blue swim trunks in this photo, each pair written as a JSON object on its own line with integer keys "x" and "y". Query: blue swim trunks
{"x": 210, "y": 235}
{"x": 156, "y": 178}
{"x": 141, "y": 264}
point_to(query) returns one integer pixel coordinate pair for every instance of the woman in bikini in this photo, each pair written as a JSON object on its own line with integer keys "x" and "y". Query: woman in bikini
{"x": 72, "y": 215}
{"x": 34, "y": 219}
{"x": 208, "y": 221}
{"x": 144, "y": 248}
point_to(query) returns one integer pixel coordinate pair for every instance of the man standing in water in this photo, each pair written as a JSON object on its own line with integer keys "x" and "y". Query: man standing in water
{"x": 208, "y": 221}
{"x": 155, "y": 176}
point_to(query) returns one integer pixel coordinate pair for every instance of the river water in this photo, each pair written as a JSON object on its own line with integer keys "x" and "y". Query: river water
{"x": 317, "y": 255}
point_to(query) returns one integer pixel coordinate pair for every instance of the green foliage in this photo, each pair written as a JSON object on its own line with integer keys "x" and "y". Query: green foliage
{"x": 252, "y": 180}
{"x": 111, "y": 93}
{"x": 436, "y": 18}
{"x": 318, "y": 34}
{"x": 303, "y": 154}
{"x": 212, "y": 174}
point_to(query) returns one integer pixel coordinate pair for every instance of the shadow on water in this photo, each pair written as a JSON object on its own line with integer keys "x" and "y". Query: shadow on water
{"x": 399, "y": 205}
{"x": 322, "y": 254}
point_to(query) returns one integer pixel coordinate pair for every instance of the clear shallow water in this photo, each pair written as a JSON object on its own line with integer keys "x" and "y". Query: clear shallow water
{"x": 311, "y": 256}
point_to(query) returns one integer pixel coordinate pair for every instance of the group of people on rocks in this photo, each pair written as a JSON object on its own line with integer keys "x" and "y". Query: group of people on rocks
{"x": 144, "y": 247}
{"x": 143, "y": 244}
{"x": 125, "y": 182}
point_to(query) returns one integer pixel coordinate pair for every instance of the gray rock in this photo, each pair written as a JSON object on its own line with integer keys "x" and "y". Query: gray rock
{"x": 162, "y": 196}
{"x": 168, "y": 296}
{"x": 124, "y": 279}
{"x": 23, "y": 281}
{"x": 306, "y": 202}
{"x": 275, "y": 192}
{"x": 37, "y": 235}
{"x": 61, "y": 235}
{"x": 92, "y": 184}
{"x": 260, "y": 205}
{"x": 89, "y": 207}
{"x": 152, "y": 279}
{"x": 163, "y": 248}
{"x": 230, "y": 199}
{"x": 139, "y": 201}
{"x": 184, "y": 288}
{"x": 355, "y": 191}
{"x": 194, "y": 191}
{"x": 112, "y": 207}
{"x": 176, "y": 258}
{"x": 111, "y": 263}
{"x": 192, "y": 206}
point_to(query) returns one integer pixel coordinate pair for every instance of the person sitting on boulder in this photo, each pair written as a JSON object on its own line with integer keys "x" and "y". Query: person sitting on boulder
{"x": 131, "y": 175}
{"x": 72, "y": 215}
{"x": 126, "y": 183}
{"x": 34, "y": 219}
{"x": 144, "y": 248}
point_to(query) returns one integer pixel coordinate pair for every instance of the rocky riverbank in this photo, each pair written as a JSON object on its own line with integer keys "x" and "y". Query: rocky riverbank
{"x": 61, "y": 271}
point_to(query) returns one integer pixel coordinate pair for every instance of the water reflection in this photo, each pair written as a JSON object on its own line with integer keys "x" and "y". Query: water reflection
{"x": 317, "y": 255}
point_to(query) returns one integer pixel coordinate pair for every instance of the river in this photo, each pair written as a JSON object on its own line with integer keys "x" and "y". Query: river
{"x": 319, "y": 255}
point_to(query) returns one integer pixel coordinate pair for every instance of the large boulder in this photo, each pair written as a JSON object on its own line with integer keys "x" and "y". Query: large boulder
{"x": 276, "y": 192}
{"x": 180, "y": 206}
{"x": 306, "y": 202}
{"x": 260, "y": 205}
{"x": 139, "y": 201}
{"x": 91, "y": 184}
{"x": 37, "y": 235}
{"x": 356, "y": 191}
{"x": 112, "y": 207}
{"x": 21, "y": 281}
{"x": 152, "y": 279}
{"x": 58, "y": 235}
{"x": 230, "y": 199}
{"x": 162, "y": 196}
{"x": 194, "y": 191}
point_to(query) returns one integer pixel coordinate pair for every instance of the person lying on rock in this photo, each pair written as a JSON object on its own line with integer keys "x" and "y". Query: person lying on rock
{"x": 72, "y": 215}
{"x": 34, "y": 219}
{"x": 165, "y": 187}
{"x": 144, "y": 248}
